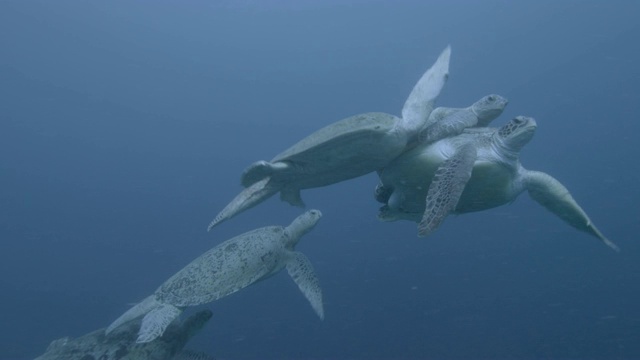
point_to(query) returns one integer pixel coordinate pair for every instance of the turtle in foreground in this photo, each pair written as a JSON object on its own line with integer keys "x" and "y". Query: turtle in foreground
{"x": 227, "y": 268}
{"x": 120, "y": 344}
{"x": 474, "y": 171}
{"x": 346, "y": 149}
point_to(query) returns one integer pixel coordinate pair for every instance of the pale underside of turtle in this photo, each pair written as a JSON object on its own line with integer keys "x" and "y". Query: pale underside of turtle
{"x": 346, "y": 149}
{"x": 227, "y": 268}
{"x": 121, "y": 343}
{"x": 471, "y": 172}
{"x": 443, "y": 123}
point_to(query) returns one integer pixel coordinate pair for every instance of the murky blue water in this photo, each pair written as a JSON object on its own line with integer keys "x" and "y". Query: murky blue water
{"x": 124, "y": 127}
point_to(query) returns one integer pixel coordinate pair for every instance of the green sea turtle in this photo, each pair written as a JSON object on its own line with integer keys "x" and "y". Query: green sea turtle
{"x": 444, "y": 122}
{"x": 346, "y": 149}
{"x": 227, "y": 268}
{"x": 120, "y": 344}
{"x": 476, "y": 170}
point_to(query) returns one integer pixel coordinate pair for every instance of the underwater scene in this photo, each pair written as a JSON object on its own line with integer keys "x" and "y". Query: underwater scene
{"x": 340, "y": 179}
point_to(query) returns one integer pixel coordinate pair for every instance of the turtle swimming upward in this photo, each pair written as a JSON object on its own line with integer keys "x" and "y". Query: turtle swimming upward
{"x": 346, "y": 149}
{"x": 227, "y": 268}
{"x": 121, "y": 345}
{"x": 476, "y": 170}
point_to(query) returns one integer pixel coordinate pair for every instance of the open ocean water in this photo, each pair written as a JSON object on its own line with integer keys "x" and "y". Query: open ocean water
{"x": 125, "y": 126}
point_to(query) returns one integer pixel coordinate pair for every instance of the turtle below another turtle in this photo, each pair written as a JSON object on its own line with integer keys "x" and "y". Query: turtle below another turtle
{"x": 474, "y": 171}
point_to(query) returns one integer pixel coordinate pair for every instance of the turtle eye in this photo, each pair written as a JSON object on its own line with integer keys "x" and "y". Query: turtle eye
{"x": 492, "y": 98}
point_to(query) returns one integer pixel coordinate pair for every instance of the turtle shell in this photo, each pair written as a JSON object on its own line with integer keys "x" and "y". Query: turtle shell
{"x": 225, "y": 269}
{"x": 346, "y": 149}
{"x": 349, "y": 134}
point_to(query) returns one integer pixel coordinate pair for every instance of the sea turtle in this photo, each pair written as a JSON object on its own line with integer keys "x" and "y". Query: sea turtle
{"x": 346, "y": 149}
{"x": 120, "y": 344}
{"x": 227, "y": 268}
{"x": 444, "y": 122}
{"x": 476, "y": 170}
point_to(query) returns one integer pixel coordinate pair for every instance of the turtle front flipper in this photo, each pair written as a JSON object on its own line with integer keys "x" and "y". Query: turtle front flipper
{"x": 445, "y": 122}
{"x": 422, "y": 98}
{"x": 248, "y": 198}
{"x": 156, "y": 321}
{"x": 302, "y": 273}
{"x": 555, "y": 197}
{"x": 446, "y": 188}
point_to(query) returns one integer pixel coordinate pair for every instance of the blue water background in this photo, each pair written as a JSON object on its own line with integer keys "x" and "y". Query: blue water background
{"x": 124, "y": 128}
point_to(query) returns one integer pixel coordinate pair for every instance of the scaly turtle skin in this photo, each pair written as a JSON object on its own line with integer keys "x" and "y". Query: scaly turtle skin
{"x": 120, "y": 344}
{"x": 346, "y": 149}
{"x": 474, "y": 171}
{"x": 227, "y": 268}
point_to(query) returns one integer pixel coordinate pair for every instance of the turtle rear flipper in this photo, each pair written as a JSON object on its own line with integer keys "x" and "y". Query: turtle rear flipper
{"x": 135, "y": 312}
{"x": 292, "y": 196}
{"x": 248, "y": 198}
{"x": 156, "y": 321}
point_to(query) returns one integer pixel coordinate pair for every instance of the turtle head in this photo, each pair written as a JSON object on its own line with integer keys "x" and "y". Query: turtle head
{"x": 489, "y": 108}
{"x": 515, "y": 134}
{"x": 300, "y": 226}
